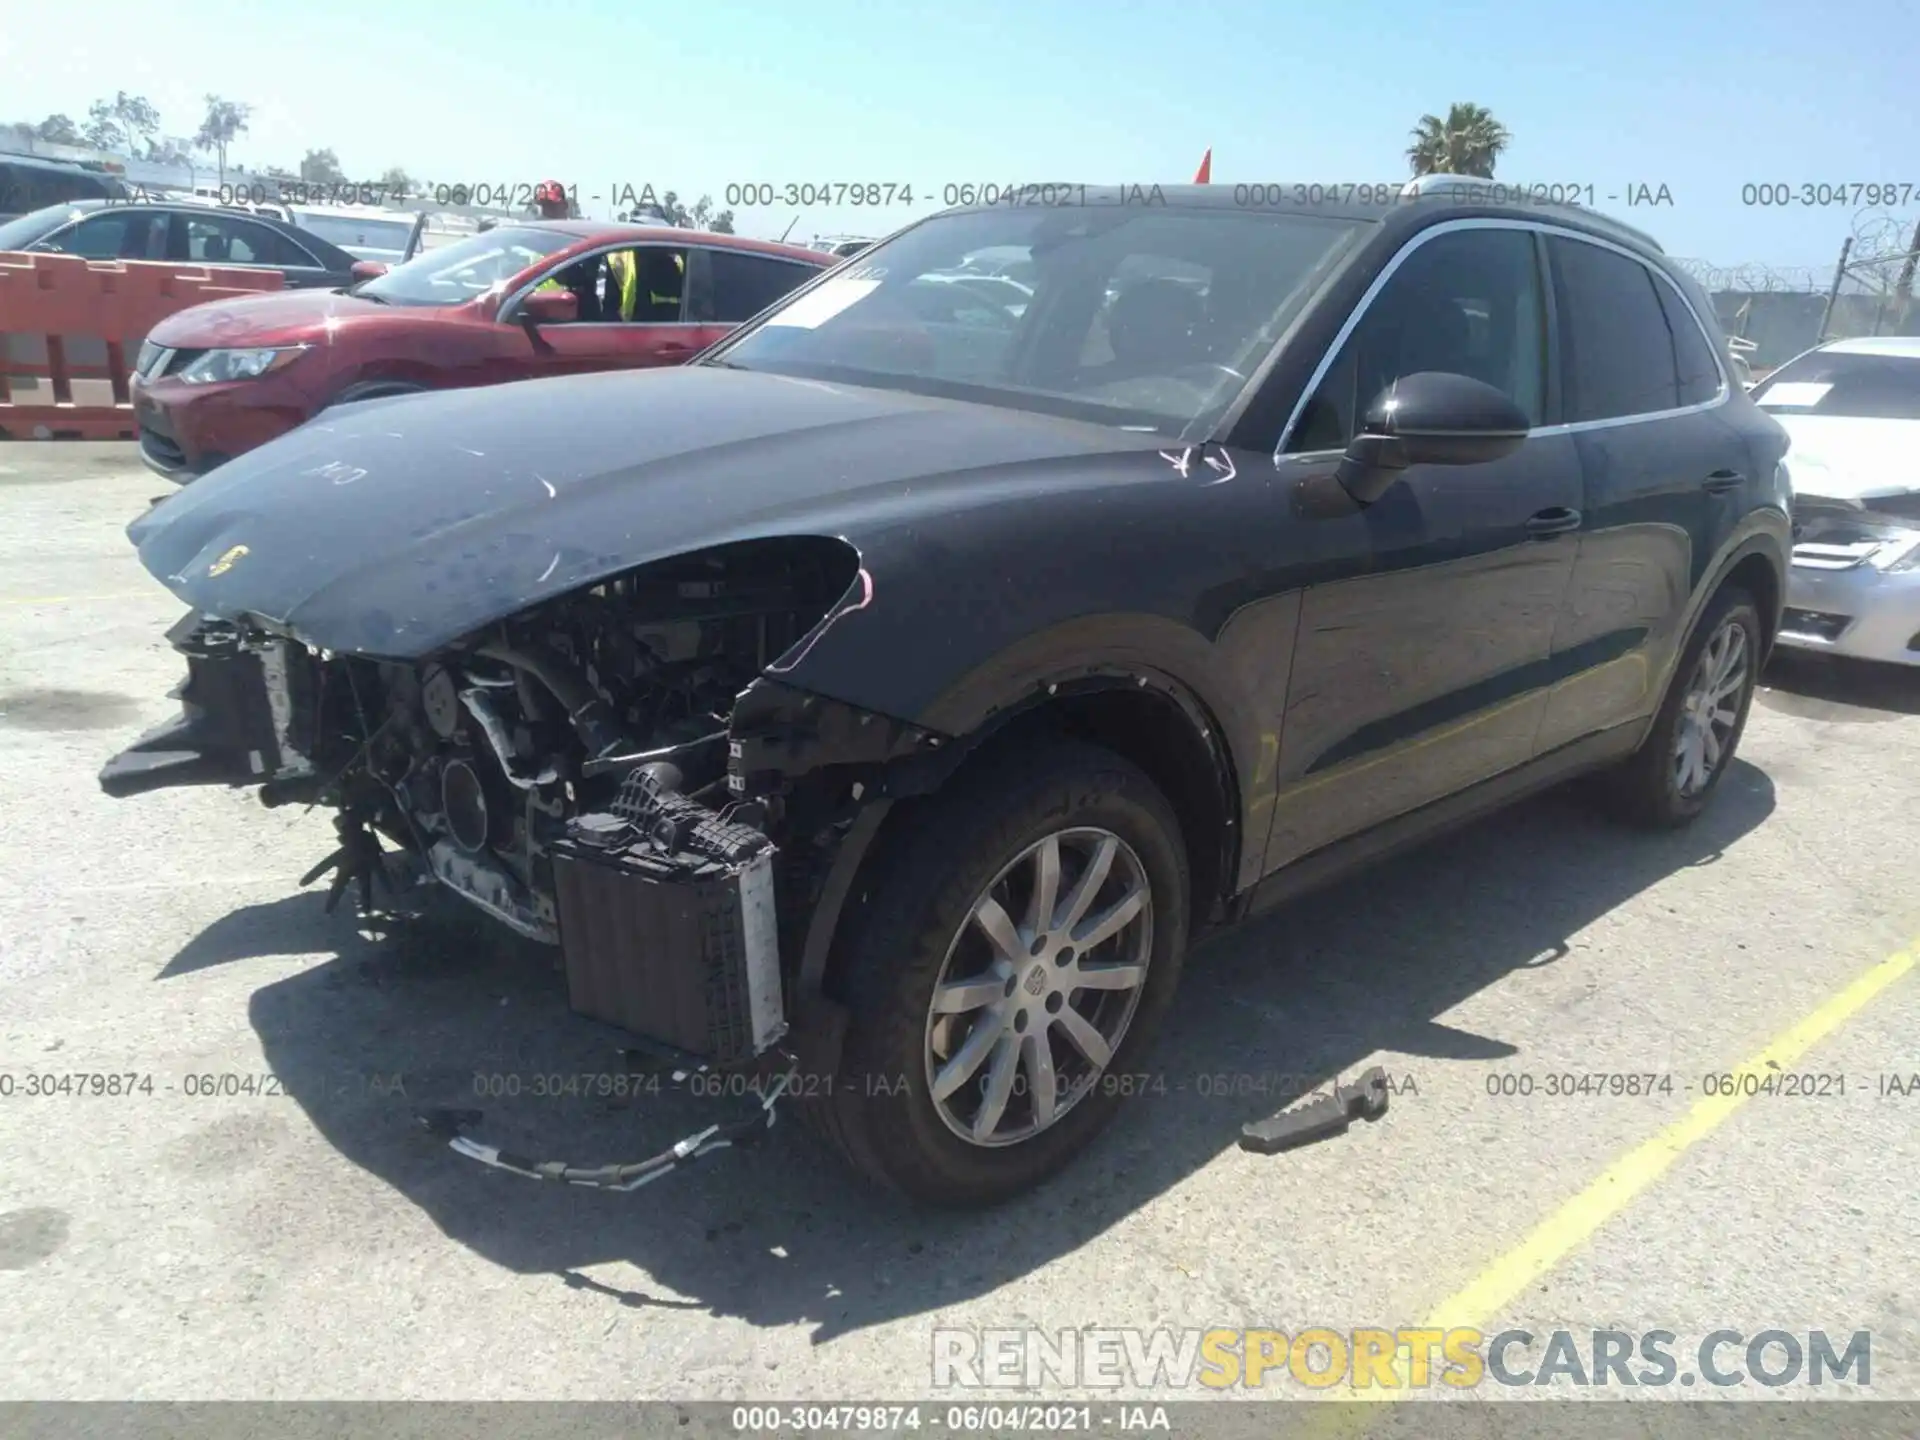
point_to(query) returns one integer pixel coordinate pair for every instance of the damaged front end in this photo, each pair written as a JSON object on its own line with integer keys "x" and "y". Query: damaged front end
{"x": 622, "y": 772}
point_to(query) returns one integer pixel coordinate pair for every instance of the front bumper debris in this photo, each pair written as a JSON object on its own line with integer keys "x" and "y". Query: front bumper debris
{"x": 451, "y": 1124}
{"x": 241, "y": 707}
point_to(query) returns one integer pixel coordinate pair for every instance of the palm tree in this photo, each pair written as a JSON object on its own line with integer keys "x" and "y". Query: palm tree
{"x": 1467, "y": 142}
{"x": 225, "y": 120}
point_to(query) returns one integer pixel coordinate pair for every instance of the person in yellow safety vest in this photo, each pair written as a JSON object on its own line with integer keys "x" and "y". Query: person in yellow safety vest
{"x": 624, "y": 267}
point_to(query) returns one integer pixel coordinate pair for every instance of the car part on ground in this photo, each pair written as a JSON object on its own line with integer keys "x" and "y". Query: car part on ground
{"x": 1321, "y": 1117}
{"x": 920, "y": 687}
{"x": 452, "y": 1126}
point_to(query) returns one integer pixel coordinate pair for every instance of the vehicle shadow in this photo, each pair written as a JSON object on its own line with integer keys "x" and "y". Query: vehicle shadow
{"x": 429, "y": 1013}
{"x": 1836, "y": 688}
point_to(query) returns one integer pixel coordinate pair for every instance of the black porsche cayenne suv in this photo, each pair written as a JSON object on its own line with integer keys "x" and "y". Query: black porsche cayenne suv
{"x": 889, "y": 697}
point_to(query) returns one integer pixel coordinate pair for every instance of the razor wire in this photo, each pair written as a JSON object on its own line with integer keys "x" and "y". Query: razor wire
{"x": 1881, "y": 245}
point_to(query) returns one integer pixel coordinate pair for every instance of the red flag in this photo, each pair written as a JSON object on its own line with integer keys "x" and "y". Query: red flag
{"x": 1204, "y": 175}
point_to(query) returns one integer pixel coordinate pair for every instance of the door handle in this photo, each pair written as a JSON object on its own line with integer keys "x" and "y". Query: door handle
{"x": 1721, "y": 481}
{"x": 1556, "y": 521}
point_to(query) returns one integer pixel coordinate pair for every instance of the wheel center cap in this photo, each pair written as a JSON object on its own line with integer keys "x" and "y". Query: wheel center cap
{"x": 1036, "y": 980}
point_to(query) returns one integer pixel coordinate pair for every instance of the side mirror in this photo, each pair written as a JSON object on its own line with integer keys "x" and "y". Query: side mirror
{"x": 1432, "y": 418}
{"x": 550, "y": 307}
{"x": 367, "y": 269}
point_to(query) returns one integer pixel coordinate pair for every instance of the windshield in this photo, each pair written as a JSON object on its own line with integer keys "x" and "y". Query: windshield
{"x": 24, "y": 230}
{"x": 356, "y": 234}
{"x": 455, "y": 274}
{"x": 1145, "y": 318}
{"x": 1840, "y": 383}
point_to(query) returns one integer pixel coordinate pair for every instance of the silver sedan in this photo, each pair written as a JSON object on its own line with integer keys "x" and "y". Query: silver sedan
{"x": 1852, "y": 408}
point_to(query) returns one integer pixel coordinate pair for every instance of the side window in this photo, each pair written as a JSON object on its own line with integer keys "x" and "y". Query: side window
{"x": 595, "y": 284}
{"x": 1468, "y": 302}
{"x": 224, "y": 240}
{"x": 744, "y": 285}
{"x": 1616, "y": 349}
{"x": 662, "y": 285}
{"x": 1699, "y": 376}
{"x": 101, "y": 237}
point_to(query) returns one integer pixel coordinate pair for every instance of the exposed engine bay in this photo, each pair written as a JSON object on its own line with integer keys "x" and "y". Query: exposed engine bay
{"x": 566, "y": 770}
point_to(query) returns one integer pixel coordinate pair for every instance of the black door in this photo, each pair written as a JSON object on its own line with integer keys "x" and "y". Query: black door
{"x": 1422, "y": 662}
{"x": 1665, "y": 480}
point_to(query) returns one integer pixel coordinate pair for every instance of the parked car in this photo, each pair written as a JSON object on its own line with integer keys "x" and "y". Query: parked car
{"x": 1741, "y": 350}
{"x": 906, "y": 717}
{"x": 365, "y": 232}
{"x": 1852, "y": 408}
{"x": 188, "y": 231}
{"x": 29, "y": 183}
{"x": 213, "y": 381}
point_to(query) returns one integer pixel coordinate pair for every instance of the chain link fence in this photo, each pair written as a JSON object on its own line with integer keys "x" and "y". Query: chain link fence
{"x": 1782, "y": 310}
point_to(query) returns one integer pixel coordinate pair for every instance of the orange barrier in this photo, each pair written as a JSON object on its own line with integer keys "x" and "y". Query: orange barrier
{"x": 70, "y": 329}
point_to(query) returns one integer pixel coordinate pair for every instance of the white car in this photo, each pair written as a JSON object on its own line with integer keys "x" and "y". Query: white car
{"x": 1852, "y": 408}
{"x": 364, "y": 232}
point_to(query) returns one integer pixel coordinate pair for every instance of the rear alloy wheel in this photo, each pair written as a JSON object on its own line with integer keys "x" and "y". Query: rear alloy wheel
{"x": 1688, "y": 750}
{"x": 1710, "y": 711}
{"x": 1006, "y": 973}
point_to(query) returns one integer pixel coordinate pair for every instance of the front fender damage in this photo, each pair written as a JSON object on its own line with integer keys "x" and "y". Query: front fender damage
{"x": 529, "y": 770}
{"x": 242, "y": 707}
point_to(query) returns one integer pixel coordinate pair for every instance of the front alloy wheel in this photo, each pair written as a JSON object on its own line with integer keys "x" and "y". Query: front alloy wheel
{"x": 1027, "y": 1014}
{"x": 1006, "y": 966}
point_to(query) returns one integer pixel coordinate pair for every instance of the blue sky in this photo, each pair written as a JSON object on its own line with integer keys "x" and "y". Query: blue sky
{"x": 1701, "y": 98}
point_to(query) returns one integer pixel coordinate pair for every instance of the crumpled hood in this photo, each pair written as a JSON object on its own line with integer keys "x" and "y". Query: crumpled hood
{"x": 1842, "y": 458}
{"x": 255, "y": 319}
{"x": 397, "y": 525}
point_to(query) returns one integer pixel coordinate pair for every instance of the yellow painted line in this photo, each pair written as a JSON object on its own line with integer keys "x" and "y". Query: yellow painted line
{"x": 1574, "y": 1223}
{"x": 1487, "y": 1295}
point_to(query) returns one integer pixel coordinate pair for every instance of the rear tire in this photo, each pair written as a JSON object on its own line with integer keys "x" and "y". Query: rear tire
{"x": 1671, "y": 778}
{"x": 913, "y": 1105}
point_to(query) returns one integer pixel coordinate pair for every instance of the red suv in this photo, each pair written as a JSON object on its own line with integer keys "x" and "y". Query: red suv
{"x": 512, "y": 303}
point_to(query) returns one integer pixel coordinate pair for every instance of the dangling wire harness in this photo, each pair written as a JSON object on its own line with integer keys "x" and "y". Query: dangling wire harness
{"x": 612, "y": 1177}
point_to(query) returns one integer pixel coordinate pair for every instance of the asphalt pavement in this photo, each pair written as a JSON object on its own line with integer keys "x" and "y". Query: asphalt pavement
{"x": 253, "y": 1212}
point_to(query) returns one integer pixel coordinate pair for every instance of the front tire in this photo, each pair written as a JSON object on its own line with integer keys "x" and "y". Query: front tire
{"x": 1008, "y": 975}
{"x": 1671, "y": 778}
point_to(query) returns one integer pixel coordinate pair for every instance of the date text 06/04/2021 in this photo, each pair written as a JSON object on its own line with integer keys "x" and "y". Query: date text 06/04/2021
{"x": 1812, "y": 1085}
{"x": 1000, "y": 1419}
{"x": 640, "y": 196}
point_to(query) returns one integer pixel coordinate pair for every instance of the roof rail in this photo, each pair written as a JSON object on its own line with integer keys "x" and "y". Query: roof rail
{"x": 1517, "y": 192}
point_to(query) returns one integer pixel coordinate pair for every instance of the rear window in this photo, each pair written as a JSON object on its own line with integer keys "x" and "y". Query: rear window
{"x": 1839, "y": 383}
{"x": 357, "y": 234}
